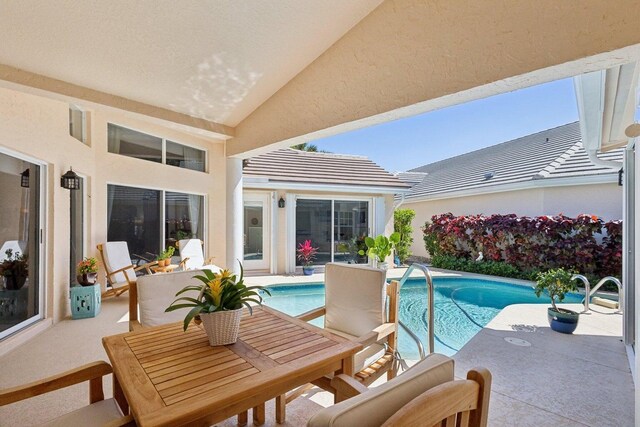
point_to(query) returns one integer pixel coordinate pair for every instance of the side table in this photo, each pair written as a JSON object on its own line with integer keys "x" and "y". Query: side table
{"x": 85, "y": 301}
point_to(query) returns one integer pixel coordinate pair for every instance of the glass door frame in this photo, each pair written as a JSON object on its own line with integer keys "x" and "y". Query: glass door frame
{"x": 162, "y": 203}
{"x": 266, "y": 199}
{"x": 291, "y": 221}
{"x": 42, "y": 238}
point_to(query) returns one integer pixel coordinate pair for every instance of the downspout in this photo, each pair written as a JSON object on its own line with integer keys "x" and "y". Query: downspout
{"x": 593, "y": 158}
{"x": 399, "y": 203}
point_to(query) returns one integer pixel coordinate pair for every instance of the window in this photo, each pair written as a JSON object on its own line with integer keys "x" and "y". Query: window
{"x": 336, "y": 227}
{"x": 134, "y": 215}
{"x": 136, "y": 144}
{"x": 77, "y": 123}
{"x": 77, "y": 230}
{"x": 185, "y": 157}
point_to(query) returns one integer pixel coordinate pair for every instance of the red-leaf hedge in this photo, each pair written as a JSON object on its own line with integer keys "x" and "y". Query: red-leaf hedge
{"x": 585, "y": 244}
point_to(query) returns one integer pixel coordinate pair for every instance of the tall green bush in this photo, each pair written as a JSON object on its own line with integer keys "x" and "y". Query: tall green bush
{"x": 402, "y": 225}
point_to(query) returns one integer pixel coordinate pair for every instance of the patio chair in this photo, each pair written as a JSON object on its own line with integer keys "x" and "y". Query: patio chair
{"x": 192, "y": 256}
{"x": 355, "y": 308}
{"x": 99, "y": 412}
{"x": 121, "y": 272}
{"x": 427, "y": 394}
{"x": 150, "y": 295}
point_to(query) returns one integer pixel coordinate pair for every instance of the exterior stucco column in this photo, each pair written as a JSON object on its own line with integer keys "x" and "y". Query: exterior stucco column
{"x": 235, "y": 214}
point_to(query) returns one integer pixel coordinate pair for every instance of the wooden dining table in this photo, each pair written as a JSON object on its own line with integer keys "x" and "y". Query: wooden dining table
{"x": 172, "y": 377}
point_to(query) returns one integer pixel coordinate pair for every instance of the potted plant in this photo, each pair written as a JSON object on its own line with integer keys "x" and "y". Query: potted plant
{"x": 14, "y": 269}
{"x": 557, "y": 283}
{"x": 87, "y": 272}
{"x": 306, "y": 255}
{"x": 380, "y": 248}
{"x": 164, "y": 259}
{"x": 218, "y": 306}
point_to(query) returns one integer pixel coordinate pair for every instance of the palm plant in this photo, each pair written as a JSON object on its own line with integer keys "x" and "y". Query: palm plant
{"x": 222, "y": 291}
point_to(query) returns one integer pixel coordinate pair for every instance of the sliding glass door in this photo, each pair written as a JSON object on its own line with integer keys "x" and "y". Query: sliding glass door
{"x": 151, "y": 220}
{"x": 20, "y": 260}
{"x": 257, "y": 231}
{"x": 336, "y": 227}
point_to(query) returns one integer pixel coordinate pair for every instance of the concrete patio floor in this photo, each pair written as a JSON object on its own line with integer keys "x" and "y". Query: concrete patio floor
{"x": 568, "y": 380}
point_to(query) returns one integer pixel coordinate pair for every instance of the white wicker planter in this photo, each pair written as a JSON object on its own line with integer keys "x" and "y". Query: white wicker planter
{"x": 222, "y": 326}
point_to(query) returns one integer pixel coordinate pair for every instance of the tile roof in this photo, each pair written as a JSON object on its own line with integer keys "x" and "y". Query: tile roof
{"x": 295, "y": 166}
{"x": 552, "y": 153}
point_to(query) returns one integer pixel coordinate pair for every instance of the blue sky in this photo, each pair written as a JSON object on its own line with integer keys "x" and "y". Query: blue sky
{"x": 426, "y": 138}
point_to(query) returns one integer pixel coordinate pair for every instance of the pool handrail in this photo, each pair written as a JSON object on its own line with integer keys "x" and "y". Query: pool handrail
{"x": 430, "y": 307}
{"x": 615, "y": 282}
{"x": 587, "y": 290}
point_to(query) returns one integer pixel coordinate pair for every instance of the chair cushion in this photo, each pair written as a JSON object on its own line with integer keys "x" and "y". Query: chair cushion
{"x": 376, "y": 405}
{"x": 354, "y": 298}
{"x": 192, "y": 249}
{"x": 367, "y": 355}
{"x": 157, "y": 291}
{"x": 96, "y": 414}
{"x": 116, "y": 256}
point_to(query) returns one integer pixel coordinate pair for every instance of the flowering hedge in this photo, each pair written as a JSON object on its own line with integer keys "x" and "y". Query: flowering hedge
{"x": 586, "y": 244}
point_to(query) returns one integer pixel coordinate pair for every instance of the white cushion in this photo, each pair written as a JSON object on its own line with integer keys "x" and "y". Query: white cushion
{"x": 192, "y": 249}
{"x": 366, "y": 356}
{"x": 16, "y": 246}
{"x": 157, "y": 291}
{"x": 116, "y": 256}
{"x": 375, "y": 406}
{"x": 354, "y": 298}
{"x": 96, "y": 414}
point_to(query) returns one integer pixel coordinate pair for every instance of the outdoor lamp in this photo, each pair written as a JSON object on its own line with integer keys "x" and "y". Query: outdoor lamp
{"x": 24, "y": 178}
{"x": 281, "y": 203}
{"x": 70, "y": 180}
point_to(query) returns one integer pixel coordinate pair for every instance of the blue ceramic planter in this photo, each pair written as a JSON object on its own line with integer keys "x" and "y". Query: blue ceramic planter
{"x": 564, "y": 322}
{"x": 308, "y": 271}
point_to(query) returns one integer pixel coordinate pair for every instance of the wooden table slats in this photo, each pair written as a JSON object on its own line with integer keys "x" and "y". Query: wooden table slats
{"x": 168, "y": 374}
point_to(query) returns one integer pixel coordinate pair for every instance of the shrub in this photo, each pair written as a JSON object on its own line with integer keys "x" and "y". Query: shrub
{"x": 402, "y": 225}
{"x": 491, "y": 268}
{"x": 529, "y": 244}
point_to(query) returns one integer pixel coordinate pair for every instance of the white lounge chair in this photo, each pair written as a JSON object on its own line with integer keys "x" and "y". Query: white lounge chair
{"x": 192, "y": 256}
{"x": 427, "y": 394}
{"x": 121, "y": 272}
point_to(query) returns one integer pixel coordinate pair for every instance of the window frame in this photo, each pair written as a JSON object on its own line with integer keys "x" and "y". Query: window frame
{"x": 163, "y": 148}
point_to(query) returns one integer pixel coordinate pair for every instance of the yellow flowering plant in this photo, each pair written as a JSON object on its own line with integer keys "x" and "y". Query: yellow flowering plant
{"x": 221, "y": 291}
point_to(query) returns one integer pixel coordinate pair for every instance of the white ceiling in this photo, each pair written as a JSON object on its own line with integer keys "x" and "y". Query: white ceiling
{"x": 214, "y": 59}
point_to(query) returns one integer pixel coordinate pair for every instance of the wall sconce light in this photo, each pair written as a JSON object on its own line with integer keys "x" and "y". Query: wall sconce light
{"x": 70, "y": 180}
{"x": 24, "y": 178}
{"x": 281, "y": 203}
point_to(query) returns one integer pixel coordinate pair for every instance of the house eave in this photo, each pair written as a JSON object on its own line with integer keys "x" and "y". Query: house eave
{"x": 525, "y": 185}
{"x": 266, "y": 184}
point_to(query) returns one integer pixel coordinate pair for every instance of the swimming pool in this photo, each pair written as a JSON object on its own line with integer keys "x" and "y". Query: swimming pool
{"x": 463, "y": 306}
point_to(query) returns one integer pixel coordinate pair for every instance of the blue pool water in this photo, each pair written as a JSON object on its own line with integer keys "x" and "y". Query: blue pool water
{"x": 463, "y": 306}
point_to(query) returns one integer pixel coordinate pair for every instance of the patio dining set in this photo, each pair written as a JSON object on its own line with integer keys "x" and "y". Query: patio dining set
{"x": 166, "y": 376}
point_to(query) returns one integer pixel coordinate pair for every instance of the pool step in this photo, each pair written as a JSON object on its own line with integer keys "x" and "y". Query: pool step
{"x": 605, "y": 302}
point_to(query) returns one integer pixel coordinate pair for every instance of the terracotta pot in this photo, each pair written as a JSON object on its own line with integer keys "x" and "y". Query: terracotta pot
{"x": 222, "y": 327}
{"x": 87, "y": 279}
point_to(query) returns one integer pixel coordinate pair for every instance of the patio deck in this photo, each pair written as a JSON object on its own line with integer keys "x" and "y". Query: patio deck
{"x": 569, "y": 380}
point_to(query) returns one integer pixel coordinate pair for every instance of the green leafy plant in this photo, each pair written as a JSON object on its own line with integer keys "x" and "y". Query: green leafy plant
{"x": 87, "y": 266}
{"x": 402, "y": 219}
{"x": 557, "y": 282}
{"x": 167, "y": 253}
{"x": 381, "y": 246}
{"x": 15, "y": 269}
{"x": 218, "y": 292}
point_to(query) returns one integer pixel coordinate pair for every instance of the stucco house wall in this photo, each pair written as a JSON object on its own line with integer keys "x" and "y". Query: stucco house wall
{"x": 38, "y": 128}
{"x": 603, "y": 200}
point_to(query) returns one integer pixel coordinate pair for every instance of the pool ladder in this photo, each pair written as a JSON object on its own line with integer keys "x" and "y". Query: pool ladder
{"x": 429, "y": 283}
{"x": 588, "y": 292}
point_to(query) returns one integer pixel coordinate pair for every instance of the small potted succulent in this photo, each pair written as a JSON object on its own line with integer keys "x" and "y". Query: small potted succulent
{"x": 379, "y": 248}
{"x": 557, "y": 283}
{"x": 306, "y": 255}
{"x": 218, "y": 306}
{"x": 87, "y": 272}
{"x": 14, "y": 269}
{"x": 164, "y": 259}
